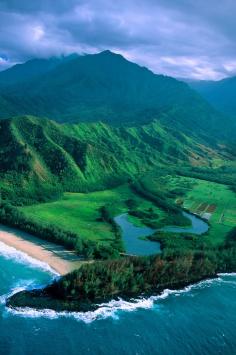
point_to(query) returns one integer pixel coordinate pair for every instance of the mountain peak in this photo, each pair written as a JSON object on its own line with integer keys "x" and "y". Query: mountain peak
{"x": 107, "y": 52}
{"x": 102, "y": 87}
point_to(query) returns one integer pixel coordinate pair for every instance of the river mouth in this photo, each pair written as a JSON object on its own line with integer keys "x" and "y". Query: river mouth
{"x": 132, "y": 234}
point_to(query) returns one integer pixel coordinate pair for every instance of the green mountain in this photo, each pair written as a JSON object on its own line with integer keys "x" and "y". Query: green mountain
{"x": 31, "y": 69}
{"x": 105, "y": 87}
{"x": 14, "y": 77}
{"x": 135, "y": 120}
{"x": 221, "y": 94}
{"x": 40, "y": 158}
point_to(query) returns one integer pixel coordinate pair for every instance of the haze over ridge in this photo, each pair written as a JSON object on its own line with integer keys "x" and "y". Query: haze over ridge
{"x": 180, "y": 39}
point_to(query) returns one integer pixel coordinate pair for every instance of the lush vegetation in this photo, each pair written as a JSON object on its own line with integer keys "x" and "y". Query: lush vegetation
{"x": 99, "y": 281}
{"x": 221, "y": 94}
{"x": 185, "y": 258}
{"x": 81, "y": 212}
{"x": 40, "y": 159}
{"x": 11, "y": 216}
{"x": 215, "y": 201}
{"x": 158, "y": 147}
{"x": 109, "y": 88}
{"x": 224, "y": 174}
{"x": 218, "y": 201}
{"x": 160, "y": 199}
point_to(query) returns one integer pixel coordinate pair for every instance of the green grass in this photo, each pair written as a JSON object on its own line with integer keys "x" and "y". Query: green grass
{"x": 40, "y": 158}
{"x": 193, "y": 193}
{"x": 223, "y": 219}
{"x": 79, "y": 212}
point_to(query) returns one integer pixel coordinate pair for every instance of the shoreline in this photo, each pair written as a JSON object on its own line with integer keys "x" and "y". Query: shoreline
{"x": 40, "y": 300}
{"x": 61, "y": 260}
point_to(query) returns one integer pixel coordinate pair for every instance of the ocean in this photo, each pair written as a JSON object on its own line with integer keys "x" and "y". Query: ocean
{"x": 200, "y": 319}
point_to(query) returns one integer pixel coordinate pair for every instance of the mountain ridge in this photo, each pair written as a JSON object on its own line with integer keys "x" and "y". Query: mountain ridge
{"x": 107, "y": 87}
{"x": 221, "y": 94}
{"x": 38, "y": 156}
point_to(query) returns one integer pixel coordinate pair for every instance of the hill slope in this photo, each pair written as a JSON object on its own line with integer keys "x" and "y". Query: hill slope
{"x": 105, "y": 87}
{"x": 221, "y": 94}
{"x": 40, "y": 158}
{"x": 31, "y": 69}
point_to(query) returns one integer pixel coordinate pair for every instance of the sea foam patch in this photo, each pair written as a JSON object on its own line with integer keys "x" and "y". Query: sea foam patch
{"x": 21, "y": 285}
{"x": 104, "y": 311}
{"x": 20, "y": 257}
{"x": 114, "y": 307}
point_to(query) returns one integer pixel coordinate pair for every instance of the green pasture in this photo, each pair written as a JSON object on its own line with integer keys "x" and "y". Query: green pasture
{"x": 79, "y": 212}
{"x": 193, "y": 193}
{"x": 224, "y": 217}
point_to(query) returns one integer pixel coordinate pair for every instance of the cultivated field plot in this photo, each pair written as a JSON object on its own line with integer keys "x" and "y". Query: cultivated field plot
{"x": 213, "y": 201}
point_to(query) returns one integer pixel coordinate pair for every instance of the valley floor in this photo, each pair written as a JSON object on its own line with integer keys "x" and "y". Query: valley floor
{"x": 155, "y": 199}
{"x": 80, "y": 212}
{"x": 215, "y": 202}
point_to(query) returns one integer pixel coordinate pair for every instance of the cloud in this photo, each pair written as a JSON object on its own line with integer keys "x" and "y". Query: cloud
{"x": 182, "y": 38}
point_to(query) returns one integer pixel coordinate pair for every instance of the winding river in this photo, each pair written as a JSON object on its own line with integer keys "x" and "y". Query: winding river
{"x": 198, "y": 226}
{"x": 132, "y": 234}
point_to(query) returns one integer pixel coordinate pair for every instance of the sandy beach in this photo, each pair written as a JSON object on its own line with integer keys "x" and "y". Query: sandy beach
{"x": 57, "y": 257}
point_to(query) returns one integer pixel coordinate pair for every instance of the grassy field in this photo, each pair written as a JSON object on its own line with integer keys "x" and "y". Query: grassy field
{"x": 214, "y": 201}
{"x": 168, "y": 183}
{"x": 78, "y": 212}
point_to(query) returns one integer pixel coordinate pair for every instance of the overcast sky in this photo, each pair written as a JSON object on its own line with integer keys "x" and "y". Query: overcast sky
{"x": 181, "y": 38}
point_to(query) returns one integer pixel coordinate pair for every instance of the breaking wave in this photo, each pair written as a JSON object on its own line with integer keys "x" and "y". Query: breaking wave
{"x": 114, "y": 307}
{"x": 104, "y": 310}
{"x": 8, "y": 252}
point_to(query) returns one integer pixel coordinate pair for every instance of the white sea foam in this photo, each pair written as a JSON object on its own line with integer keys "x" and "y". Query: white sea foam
{"x": 20, "y": 257}
{"x": 226, "y": 278}
{"x": 105, "y": 310}
{"x": 112, "y": 308}
{"x": 21, "y": 285}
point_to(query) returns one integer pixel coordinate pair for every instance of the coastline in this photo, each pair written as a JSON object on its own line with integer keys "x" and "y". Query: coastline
{"x": 57, "y": 257}
{"x": 42, "y": 300}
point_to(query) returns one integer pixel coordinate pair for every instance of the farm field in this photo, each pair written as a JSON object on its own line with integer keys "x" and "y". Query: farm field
{"x": 215, "y": 202}
{"x": 79, "y": 212}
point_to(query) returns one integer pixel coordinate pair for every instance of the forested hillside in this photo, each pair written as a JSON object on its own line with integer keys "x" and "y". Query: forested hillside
{"x": 105, "y": 87}
{"x": 40, "y": 158}
{"x": 221, "y": 94}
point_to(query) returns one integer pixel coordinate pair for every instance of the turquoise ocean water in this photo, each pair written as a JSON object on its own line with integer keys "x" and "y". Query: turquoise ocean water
{"x": 200, "y": 319}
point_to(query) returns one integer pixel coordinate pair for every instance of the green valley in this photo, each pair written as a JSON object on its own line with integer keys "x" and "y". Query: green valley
{"x": 120, "y": 140}
{"x": 39, "y": 158}
{"x": 215, "y": 202}
{"x": 80, "y": 212}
